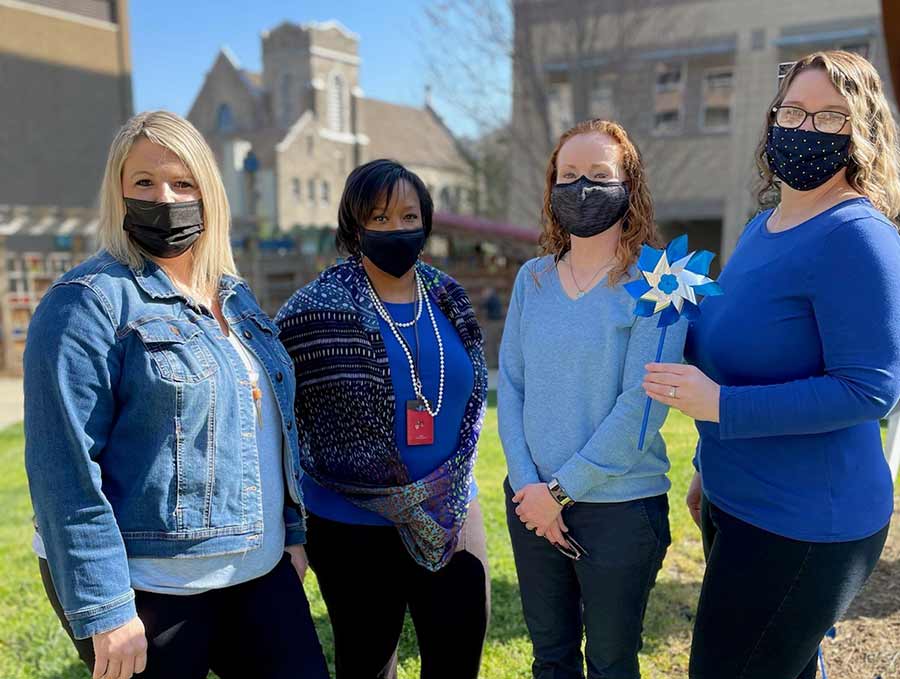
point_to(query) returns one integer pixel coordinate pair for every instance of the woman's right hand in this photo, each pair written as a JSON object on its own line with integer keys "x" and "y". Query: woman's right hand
{"x": 120, "y": 653}
{"x": 694, "y": 495}
{"x": 556, "y": 533}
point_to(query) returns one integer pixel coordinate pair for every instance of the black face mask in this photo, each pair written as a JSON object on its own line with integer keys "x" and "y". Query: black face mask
{"x": 394, "y": 252}
{"x": 806, "y": 159}
{"x": 586, "y": 208}
{"x": 163, "y": 229}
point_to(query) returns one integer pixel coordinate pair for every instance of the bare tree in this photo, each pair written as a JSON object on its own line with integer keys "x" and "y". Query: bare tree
{"x": 494, "y": 63}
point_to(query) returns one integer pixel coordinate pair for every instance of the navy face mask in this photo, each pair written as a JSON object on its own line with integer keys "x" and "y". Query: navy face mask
{"x": 394, "y": 252}
{"x": 586, "y": 208}
{"x": 806, "y": 159}
{"x": 163, "y": 229}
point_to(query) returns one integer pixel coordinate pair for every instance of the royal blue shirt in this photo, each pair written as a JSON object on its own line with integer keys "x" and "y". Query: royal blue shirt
{"x": 458, "y": 384}
{"x": 806, "y": 345}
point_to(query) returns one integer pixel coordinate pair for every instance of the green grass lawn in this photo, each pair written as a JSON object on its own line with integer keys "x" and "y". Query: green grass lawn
{"x": 32, "y": 643}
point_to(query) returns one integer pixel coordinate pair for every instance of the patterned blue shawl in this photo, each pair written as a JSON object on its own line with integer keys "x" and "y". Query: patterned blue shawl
{"x": 345, "y": 407}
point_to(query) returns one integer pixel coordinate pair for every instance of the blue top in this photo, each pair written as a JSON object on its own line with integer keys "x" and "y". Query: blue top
{"x": 807, "y": 340}
{"x": 570, "y": 401}
{"x": 458, "y": 385}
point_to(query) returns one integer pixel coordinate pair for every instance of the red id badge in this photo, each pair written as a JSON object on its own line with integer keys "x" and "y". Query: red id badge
{"x": 419, "y": 425}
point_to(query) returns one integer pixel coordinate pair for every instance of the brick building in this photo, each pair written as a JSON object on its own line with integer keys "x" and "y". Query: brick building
{"x": 65, "y": 88}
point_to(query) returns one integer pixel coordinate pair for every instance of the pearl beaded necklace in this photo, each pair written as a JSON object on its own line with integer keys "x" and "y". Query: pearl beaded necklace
{"x": 409, "y": 324}
{"x": 423, "y": 300}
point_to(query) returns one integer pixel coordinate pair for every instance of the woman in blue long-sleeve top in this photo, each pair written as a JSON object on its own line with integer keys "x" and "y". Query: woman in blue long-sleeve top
{"x": 792, "y": 370}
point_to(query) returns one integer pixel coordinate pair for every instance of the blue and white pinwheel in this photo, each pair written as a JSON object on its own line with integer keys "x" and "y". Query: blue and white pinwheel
{"x": 672, "y": 280}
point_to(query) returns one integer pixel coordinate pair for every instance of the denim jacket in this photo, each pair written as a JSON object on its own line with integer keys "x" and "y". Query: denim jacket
{"x": 140, "y": 431}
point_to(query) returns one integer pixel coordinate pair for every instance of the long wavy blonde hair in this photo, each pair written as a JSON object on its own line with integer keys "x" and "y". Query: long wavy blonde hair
{"x": 212, "y": 256}
{"x": 638, "y": 226}
{"x": 874, "y": 166}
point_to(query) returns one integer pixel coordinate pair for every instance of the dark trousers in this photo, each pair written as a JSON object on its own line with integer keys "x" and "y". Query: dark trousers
{"x": 368, "y": 580}
{"x": 767, "y": 601}
{"x": 261, "y": 628}
{"x": 603, "y": 595}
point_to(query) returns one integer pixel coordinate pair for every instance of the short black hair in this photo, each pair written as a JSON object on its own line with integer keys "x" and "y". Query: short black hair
{"x": 364, "y": 187}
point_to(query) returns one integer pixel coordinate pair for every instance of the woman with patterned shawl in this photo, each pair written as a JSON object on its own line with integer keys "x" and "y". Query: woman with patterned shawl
{"x": 391, "y": 385}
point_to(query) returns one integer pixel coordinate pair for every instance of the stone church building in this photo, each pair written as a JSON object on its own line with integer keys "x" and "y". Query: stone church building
{"x": 287, "y": 137}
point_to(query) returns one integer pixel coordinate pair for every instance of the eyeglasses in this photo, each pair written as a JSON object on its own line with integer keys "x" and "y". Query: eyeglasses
{"x": 574, "y": 551}
{"x": 792, "y": 117}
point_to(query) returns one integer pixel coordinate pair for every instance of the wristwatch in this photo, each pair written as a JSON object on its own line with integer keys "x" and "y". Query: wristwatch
{"x": 559, "y": 494}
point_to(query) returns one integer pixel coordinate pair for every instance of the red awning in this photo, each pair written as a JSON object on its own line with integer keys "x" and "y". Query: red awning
{"x": 487, "y": 228}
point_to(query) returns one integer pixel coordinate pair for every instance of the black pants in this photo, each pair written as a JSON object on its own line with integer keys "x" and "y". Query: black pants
{"x": 368, "y": 580}
{"x": 767, "y": 601}
{"x": 603, "y": 596}
{"x": 261, "y": 628}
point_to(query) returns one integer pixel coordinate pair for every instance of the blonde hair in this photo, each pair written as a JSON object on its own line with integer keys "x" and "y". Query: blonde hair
{"x": 212, "y": 256}
{"x": 638, "y": 227}
{"x": 874, "y": 166}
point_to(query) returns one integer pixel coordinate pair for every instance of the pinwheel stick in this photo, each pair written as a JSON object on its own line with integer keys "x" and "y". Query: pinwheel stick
{"x": 670, "y": 283}
{"x": 659, "y": 350}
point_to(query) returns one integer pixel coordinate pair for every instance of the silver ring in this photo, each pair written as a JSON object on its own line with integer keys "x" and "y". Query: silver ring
{"x": 673, "y": 393}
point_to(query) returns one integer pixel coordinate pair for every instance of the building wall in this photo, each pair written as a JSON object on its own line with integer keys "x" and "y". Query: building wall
{"x": 697, "y": 176}
{"x": 327, "y": 72}
{"x": 444, "y": 184}
{"x": 318, "y": 167}
{"x": 286, "y": 73}
{"x": 223, "y": 87}
{"x": 105, "y": 10}
{"x": 65, "y": 88}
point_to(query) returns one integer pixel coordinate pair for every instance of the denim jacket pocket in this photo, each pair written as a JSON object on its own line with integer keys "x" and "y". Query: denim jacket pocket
{"x": 176, "y": 349}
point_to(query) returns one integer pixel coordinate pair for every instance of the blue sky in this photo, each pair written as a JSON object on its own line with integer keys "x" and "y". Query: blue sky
{"x": 175, "y": 43}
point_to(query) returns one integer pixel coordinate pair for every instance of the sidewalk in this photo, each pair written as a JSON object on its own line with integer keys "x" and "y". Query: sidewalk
{"x": 11, "y": 401}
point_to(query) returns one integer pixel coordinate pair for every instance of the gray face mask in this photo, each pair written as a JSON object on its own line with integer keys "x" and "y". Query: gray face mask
{"x": 586, "y": 208}
{"x": 163, "y": 229}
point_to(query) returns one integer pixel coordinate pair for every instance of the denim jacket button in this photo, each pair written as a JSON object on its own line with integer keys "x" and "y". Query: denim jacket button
{"x": 248, "y": 334}
{"x": 279, "y": 377}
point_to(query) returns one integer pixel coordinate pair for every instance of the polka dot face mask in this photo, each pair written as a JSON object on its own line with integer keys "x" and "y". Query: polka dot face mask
{"x": 805, "y": 159}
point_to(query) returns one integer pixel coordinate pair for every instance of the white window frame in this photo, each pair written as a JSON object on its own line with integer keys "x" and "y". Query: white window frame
{"x": 701, "y": 123}
{"x": 338, "y": 89}
{"x": 681, "y": 87}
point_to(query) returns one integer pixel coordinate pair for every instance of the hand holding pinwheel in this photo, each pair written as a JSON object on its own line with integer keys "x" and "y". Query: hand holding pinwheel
{"x": 672, "y": 279}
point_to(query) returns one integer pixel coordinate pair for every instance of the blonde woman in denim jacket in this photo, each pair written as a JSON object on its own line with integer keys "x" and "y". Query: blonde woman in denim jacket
{"x": 160, "y": 445}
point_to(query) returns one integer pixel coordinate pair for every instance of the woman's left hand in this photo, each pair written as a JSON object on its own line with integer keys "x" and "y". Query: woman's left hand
{"x": 695, "y": 394}
{"x": 298, "y": 559}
